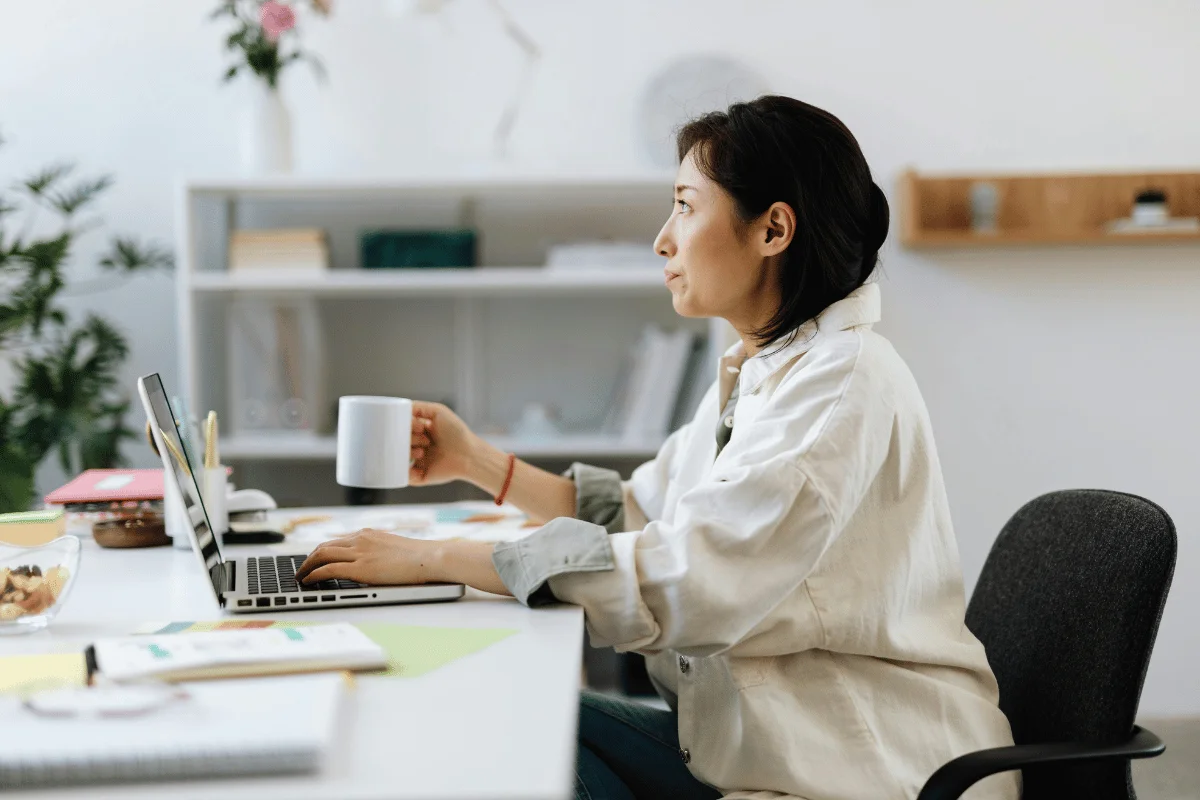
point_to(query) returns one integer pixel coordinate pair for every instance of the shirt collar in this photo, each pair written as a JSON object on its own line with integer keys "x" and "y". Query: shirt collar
{"x": 859, "y": 308}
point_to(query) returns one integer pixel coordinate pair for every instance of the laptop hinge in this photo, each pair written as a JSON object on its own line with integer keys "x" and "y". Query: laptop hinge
{"x": 230, "y": 575}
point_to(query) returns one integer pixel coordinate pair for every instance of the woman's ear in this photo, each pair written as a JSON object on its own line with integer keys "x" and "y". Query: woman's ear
{"x": 774, "y": 229}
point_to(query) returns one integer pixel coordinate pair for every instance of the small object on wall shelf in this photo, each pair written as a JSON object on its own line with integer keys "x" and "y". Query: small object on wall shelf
{"x": 279, "y": 249}
{"x": 1050, "y": 209}
{"x": 391, "y": 249}
{"x": 1151, "y": 214}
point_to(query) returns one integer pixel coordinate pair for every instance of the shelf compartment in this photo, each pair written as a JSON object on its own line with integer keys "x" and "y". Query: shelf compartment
{"x": 474, "y": 281}
{"x": 1041, "y": 209}
{"x": 285, "y": 447}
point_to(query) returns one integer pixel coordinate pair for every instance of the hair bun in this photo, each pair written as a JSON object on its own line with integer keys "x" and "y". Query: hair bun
{"x": 879, "y": 218}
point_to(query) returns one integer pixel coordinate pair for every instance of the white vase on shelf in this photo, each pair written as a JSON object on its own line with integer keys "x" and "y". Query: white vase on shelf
{"x": 265, "y": 139}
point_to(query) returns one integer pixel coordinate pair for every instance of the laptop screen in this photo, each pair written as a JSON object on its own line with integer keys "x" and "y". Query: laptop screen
{"x": 179, "y": 469}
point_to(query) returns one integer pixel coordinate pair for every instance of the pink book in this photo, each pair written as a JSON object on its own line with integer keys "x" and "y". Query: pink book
{"x": 110, "y": 485}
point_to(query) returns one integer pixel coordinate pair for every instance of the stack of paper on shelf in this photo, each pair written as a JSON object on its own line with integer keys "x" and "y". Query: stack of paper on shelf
{"x": 302, "y": 249}
{"x": 649, "y": 390}
{"x": 603, "y": 255}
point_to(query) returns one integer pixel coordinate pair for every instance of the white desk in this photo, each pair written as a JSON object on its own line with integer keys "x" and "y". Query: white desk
{"x": 499, "y": 723}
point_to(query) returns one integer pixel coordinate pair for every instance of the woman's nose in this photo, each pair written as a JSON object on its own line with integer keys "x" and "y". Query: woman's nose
{"x": 663, "y": 244}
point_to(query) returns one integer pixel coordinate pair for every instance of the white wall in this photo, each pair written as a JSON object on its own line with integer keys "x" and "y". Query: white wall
{"x": 1043, "y": 368}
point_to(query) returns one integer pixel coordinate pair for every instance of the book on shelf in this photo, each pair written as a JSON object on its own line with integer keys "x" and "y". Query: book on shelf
{"x": 278, "y": 249}
{"x": 651, "y": 385}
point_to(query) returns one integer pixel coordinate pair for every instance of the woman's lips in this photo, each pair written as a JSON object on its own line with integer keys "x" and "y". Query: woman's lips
{"x": 670, "y": 276}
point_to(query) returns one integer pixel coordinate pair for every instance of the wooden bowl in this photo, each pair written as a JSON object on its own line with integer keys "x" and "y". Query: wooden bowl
{"x": 135, "y": 530}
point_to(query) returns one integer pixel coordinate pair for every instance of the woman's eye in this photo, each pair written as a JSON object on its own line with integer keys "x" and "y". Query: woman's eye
{"x": 683, "y": 206}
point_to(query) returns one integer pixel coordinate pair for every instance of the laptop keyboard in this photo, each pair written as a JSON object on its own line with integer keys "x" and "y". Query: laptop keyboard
{"x": 277, "y": 574}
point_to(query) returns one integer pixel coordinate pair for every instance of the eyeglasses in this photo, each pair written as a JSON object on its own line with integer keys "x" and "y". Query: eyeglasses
{"x": 109, "y": 700}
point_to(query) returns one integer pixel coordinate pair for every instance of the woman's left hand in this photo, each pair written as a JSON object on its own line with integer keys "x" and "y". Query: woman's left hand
{"x": 374, "y": 557}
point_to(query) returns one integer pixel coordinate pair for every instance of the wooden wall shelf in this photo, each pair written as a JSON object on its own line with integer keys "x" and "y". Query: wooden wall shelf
{"x": 1044, "y": 209}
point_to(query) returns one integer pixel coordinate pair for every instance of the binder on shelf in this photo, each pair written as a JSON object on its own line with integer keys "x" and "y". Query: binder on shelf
{"x": 276, "y": 367}
{"x": 649, "y": 390}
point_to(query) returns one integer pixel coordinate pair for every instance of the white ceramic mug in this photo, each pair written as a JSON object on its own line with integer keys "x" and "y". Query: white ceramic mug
{"x": 374, "y": 436}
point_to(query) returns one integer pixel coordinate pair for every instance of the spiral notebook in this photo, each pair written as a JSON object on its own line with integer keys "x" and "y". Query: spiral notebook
{"x": 223, "y": 728}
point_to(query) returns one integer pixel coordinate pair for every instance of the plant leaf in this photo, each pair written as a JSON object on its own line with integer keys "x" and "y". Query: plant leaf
{"x": 12, "y": 318}
{"x": 127, "y": 255}
{"x": 34, "y": 298}
{"x": 40, "y": 183}
{"x": 47, "y": 255}
{"x": 16, "y": 481}
{"x": 71, "y": 200}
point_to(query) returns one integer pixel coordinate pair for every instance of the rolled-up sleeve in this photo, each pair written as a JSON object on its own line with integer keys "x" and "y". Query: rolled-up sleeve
{"x": 599, "y": 497}
{"x": 604, "y": 505}
{"x": 561, "y": 545}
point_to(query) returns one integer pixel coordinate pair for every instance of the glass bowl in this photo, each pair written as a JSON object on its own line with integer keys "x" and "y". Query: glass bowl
{"x": 34, "y": 582}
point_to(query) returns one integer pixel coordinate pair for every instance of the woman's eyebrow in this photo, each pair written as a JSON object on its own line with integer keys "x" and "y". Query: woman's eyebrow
{"x": 680, "y": 187}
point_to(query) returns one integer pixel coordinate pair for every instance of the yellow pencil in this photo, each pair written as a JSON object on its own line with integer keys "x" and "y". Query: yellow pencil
{"x": 210, "y": 440}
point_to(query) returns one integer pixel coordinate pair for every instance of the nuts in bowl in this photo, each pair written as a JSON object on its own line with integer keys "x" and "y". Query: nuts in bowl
{"x": 34, "y": 582}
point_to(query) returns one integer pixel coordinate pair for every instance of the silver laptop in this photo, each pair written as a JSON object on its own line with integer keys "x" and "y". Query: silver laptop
{"x": 264, "y": 583}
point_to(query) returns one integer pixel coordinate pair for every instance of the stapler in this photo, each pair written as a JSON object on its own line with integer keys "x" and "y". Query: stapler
{"x": 248, "y": 523}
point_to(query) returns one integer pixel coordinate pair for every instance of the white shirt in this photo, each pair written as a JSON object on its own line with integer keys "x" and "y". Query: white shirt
{"x": 799, "y": 596}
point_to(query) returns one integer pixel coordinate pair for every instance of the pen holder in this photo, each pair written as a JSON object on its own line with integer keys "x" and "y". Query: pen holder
{"x": 213, "y": 486}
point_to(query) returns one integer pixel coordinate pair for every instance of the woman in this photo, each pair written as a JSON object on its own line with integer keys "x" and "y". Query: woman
{"x": 786, "y": 562}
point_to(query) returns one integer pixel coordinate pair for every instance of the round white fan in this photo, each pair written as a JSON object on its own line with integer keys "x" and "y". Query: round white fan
{"x": 686, "y": 88}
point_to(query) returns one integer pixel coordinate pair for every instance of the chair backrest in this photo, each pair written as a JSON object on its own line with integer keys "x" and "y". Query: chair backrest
{"x": 1068, "y": 606}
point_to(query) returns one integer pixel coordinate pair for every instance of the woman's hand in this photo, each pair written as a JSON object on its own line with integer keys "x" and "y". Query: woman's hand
{"x": 371, "y": 556}
{"x": 442, "y": 445}
{"x": 385, "y": 559}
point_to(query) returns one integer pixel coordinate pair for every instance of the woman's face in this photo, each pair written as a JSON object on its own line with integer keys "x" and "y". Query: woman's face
{"x": 717, "y": 265}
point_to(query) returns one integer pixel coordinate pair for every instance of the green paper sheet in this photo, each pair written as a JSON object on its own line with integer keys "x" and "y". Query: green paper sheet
{"x": 414, "y": 650}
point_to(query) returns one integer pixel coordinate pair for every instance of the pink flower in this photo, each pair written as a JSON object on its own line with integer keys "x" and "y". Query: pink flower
{"x": 276, "y": 18}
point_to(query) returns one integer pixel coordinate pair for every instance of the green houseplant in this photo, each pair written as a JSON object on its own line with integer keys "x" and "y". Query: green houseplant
{"x": 59, "y": 378}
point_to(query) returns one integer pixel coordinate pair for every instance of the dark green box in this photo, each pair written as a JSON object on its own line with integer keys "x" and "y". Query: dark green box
{"x": 385, "y": 249}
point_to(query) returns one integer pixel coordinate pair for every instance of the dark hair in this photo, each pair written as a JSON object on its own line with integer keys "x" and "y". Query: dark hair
{"x": 777, "y": 149}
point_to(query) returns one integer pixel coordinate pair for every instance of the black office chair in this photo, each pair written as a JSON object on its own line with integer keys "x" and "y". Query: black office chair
{"x": 1068, "y": 607}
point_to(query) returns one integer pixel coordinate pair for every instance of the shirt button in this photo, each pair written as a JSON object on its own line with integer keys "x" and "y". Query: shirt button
{"x": 685, "y": 755}
{"x": 684, "y": 665}
{"x": 729, "y": 421}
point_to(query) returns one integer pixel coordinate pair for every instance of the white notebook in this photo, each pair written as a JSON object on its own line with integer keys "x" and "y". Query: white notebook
{"x": 240, "y": 652}
{"x": 222, "y": 728}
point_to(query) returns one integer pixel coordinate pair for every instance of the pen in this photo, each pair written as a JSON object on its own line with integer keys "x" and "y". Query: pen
{"x": 210, "y": 440}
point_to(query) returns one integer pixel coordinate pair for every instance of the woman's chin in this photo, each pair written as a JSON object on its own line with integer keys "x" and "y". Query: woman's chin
{"x": 682, "y": 307}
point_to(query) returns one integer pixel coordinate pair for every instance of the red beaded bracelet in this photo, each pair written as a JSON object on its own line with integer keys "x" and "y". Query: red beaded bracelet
{"x": 512, "y": 460}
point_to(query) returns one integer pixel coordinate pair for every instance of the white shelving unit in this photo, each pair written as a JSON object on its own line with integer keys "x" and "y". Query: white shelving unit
{"x": 474, "y": 282}
{"x": 486, "y": 339}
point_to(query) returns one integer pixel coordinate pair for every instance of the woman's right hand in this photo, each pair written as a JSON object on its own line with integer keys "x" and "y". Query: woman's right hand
{"x": 442, "y": 445}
